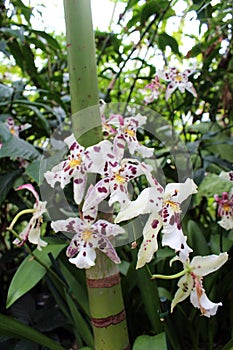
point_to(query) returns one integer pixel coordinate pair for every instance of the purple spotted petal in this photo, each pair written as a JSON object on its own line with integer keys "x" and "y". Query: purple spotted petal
{"x": 106, "y": 228}
{"x": 98, "y": 193}
{"x": 73, "y": 225}
{"x": 106, "y": 247}
{"x": 176, "y": 240}
{"x": 57, "y": 174}
{"x": 79, "y": 185}
{"x": 85, "y": 258}
{"x": 149, "y": 244}
{"x": 119, "y": 147}
{"x": 98, "y": 155}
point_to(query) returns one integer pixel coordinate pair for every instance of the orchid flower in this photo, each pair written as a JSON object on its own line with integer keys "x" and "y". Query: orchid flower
{"x": 107, "y": 160}
{"x": 89, "y": 235}
{"x": 191, "y": 282}
{"x": 225, "y": 209}
{"x": 32, "y": 230}
{"x": 126, "y": 129}
{"x": 16, "y": 129}
{"x": 177, "y": 80}
{"x": 74, "y": 167}
{"x": 154, "y": 86}
{"x": 164, "y": 209}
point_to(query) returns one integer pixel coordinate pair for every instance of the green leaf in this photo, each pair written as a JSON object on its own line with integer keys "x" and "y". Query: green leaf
{"x": 13, "y": 328}
{"x": 7, "y": 181}
{"x": 76, "y": 282}
{"x": 145, "y": 342}
{"x": 15, "y": 147}
{"x": 196, "y": 239}
{"x": 53, "y": 43}
{"x": 80, "y": 323}
{"x": 166, "y": 40}
{"x": 211, "y": 185}
{"x": 149, "y": 9}
{"x": 30, "y": 272}
{"x": 215, "y": 244}
{"x": 228, "y": 346}
{"x": 148, "y": 288}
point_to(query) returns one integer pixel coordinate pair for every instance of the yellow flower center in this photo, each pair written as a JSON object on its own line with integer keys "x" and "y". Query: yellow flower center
{"x": 86, "y": 235}
{"x": 175, "y": 206}
{"x": 130, "y": 132}
{"x": 12, "y": 131}
{"x": 120, "y": 179}
{"x": 178, "y": 77}
{"x": 75, "y": 162}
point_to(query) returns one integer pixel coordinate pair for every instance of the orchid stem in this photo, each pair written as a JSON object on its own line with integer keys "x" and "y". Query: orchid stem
{"x": 170, "y": 277}
{"x": 25, "y": 211}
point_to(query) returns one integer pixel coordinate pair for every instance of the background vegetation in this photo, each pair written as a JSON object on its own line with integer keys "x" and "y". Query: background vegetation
{"x": 34, "y": 89}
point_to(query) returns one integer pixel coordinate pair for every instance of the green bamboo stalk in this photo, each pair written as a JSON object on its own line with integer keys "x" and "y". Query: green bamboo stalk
{"x": 103, "y": 280}
{"x": 86, "y": 121}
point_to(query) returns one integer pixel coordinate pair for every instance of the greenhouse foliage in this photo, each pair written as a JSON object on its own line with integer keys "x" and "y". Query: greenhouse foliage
{"x": 181, "y": 99}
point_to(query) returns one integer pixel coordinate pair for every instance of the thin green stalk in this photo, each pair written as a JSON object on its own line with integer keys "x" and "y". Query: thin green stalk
{"x": 103, "y": 280}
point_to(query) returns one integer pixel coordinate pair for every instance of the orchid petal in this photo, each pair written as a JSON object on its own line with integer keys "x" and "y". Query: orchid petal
{"x": 105, "y": 246}
{"x": 85, "y": 258}
{"x": 79, "y": 185}
{"x": 181, "y": 191}
{"x": 207, "y": 307}
{"x": 149, "y": 245}
{"x": 30, "y": 188}
{"x": 98, "y": 193}
{"x": 74, "y": 225}
{"x": 185, "y": 285}
{"x": 149, "y": 200}
{"x": 203, "y": 265}
{"x": 176, "y": 240}
{"x": 57, "y": 174}
{"x": 98, "y": 155}
{"x": 106, "y": 228}
{"x": 34, "y": 238}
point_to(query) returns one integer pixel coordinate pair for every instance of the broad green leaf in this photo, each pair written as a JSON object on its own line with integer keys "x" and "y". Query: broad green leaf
{"x": 13, "y": 328}
{"x": 228, "y": 346}
{"x": 167, "y": 40}
{"x": 146, "y": 342}
{"x": 15, "y": 147}
{"x": 50, "y": 40}
{"x": 149, "y": 9}
{"x": 76, "y": 282}
{"x": 196, "y": 239}
{"x": 30, "y": 272}
{"x": 7, "y": 181}
{"x": 211, "y": 185}
{"x": 216, "y": 242}
{"x": 150, "y": 297}
{"x": 80, "y": 323}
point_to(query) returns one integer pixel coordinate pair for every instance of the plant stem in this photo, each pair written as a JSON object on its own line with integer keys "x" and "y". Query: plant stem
{"x": 86, "y": 121}
{"x": 103, "y": 280}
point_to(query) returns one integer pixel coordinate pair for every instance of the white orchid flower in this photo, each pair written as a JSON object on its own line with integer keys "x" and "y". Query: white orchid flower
{"x": 107, "y": 160}
{"x": 164, "y": 209}
{"x": 191, "y": 283}
{"x": 155, "y": 90}
{"x": 72, "y": 168}
{"x": 177, "y": 80}
{"x": 126, "y": 129}
{"x": 16, "y": 129}
{"x": 225, "y": 209}
{"x": 89, "y": 235}
{"x": 32, "y": 230}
